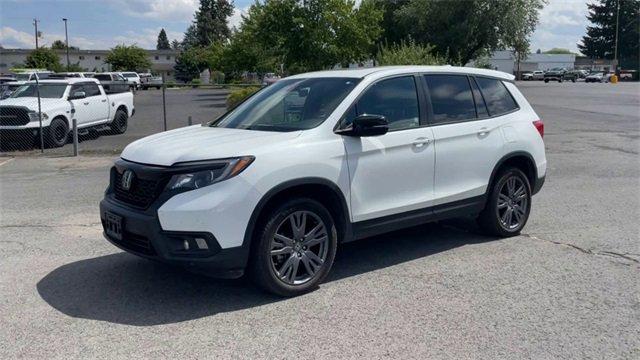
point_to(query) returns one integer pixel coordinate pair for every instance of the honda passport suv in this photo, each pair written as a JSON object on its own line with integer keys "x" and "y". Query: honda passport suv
{"x": 314, "y": 160}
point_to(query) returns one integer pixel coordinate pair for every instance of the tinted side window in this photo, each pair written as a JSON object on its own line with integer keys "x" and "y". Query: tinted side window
{"x": 451, "y": 98}
{"x": 496, "y": 95}
{"x": 91, "y": 89}
{"x": 481, "y": 106}
{"x": 102, "y": 77}
{"x": 396, "y": 99}
{"x": 75, "y": 88}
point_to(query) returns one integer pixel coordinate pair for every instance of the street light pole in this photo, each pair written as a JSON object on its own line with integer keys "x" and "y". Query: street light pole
{"x": 615, "y": 51}
{"x": 35, "y": 23}
{"x": 66, "y": 35}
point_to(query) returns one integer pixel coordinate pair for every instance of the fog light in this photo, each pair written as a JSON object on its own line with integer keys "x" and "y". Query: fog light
{"x": 202, "y": 243}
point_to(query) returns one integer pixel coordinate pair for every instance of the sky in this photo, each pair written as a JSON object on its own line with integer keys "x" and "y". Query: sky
{"x": 102, "y": 24}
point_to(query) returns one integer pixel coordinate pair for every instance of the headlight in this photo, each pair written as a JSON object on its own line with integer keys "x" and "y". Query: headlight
{"x": 33, "y": 116}
{"x": 215, "y": 171}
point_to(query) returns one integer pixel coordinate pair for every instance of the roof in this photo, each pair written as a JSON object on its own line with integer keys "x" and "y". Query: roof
{"x": 66, "y": 81}
{"x": 383, "y": 71}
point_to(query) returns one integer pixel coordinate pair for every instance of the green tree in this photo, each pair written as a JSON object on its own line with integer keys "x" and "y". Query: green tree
{"x": 211, "y": 20}
{"x": 599, "y": 43}
{"x": 310, "y": 35}
{"x": 407, "y": 53}
{"x": 163, "y": 41}
{"x": 190, "y": 37}
{"x": 43, "y": 58}
{"x": 60, "y": 45}
{"x": 128, "y": 58}
{"x": 188, "y": 65}
{"x": 175, "y": 44}
{"x": 558, "y": 51}
{"x": 465, "y": 30}
{"x": 392, "y": 30}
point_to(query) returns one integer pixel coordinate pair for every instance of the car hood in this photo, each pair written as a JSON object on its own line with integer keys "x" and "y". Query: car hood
{"x": 32, "y": 103}
{"x": 197, "y": 142}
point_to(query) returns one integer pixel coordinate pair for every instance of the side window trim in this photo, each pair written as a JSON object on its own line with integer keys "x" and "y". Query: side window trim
{"x": 484, "y": 101}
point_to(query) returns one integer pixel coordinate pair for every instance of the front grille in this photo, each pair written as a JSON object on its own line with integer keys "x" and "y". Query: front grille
{"x": 13, "y": 115}
{"x": 141, "y": 194}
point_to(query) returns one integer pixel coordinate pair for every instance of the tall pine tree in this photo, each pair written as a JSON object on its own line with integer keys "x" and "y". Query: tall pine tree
{"x": 212, "y": 20}
{"x": 163, "y": 41}
{"x": 599, "y": 43}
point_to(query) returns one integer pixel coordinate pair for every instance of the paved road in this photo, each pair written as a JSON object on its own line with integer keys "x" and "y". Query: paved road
{"x": 567, "y": 288}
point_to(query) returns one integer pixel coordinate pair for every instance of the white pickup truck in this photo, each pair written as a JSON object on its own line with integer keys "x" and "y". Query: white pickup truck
{"x": 61, "y": 101}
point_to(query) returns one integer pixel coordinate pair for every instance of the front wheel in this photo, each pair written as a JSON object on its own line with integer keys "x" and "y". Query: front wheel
{"x": 295, "y": 249}
{"x": 57, "y": 133}
{"x": 546, "y": 81}
{"x": 508, "y": 205}
{"x": 120, "y": 122}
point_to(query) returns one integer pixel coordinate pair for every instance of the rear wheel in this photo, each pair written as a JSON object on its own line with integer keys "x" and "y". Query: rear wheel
{"x": 57, "y": 133}
{"x": 508, "y": 205}
{"x": 295, "y": 249}
{"x": 546, "y": 80}
{"x": 120, "y": 122}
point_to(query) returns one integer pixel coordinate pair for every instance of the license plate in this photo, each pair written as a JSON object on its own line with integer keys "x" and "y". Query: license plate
{"x": 113, "y": 225}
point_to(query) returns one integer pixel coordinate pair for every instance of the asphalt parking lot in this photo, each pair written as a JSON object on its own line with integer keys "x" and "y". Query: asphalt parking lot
{"x": 566, "y": 288}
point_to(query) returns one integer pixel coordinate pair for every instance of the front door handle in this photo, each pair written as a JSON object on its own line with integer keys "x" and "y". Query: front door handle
{"x": 86, "y": 103}
{"x": 421, "y": 141}
{"x": 483, "y": 131}
{"x": 104, "y": 100}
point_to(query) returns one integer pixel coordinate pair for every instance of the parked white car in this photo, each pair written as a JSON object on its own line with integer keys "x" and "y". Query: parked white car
{"x": 533, "y": 75}
{"x": 133, "y": 79}
{"x": 62, "y": 100}
{"x": 323, "y": 158}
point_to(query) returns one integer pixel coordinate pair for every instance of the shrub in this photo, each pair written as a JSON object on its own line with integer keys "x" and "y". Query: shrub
{"x": 238, "y": 95}
{"x": 408, "y": 53}
{"x": 195, "y": 83}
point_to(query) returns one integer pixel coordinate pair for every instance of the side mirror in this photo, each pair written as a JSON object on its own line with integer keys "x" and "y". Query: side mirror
{"x": 78, "y": 95}
{"x": 366, "y": 125}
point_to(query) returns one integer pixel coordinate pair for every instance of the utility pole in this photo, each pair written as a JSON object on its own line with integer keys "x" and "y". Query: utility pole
{"x": 615, "y": 51}
{"x": 66, "y": 36}
{"x": 35, "y": 23}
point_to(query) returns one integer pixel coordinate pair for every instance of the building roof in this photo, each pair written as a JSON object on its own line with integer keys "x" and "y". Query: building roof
{"x": 394, "y": 70}
{"x": 87, "y": 52}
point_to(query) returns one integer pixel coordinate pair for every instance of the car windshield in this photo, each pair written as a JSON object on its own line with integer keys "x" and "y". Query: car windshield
{"x": 50, "y": 91}
{"x": 289, "y": 105}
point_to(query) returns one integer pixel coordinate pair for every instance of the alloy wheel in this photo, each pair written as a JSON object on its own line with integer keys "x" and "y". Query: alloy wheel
{"x": 512, "y": 203}
{"x": 299, "y": 247}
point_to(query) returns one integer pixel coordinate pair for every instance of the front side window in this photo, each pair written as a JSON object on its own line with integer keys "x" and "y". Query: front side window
{"x": 289, "y": 105}
{"x": 396, "y": 99}
{"x": 50, "y": 91}
{"x": 102, "y": 77}
{"x": 451, "y": 98}
{"x": 499, "y": 100}
{"x": 91, "y": 89}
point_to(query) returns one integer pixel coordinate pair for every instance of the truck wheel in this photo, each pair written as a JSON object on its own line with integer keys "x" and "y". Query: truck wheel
{"x": 294, "y": 248}
{"x": 560, "y": 80}
{"x": 119, "y": 123}
{"x": 57, "y": 134}
{"x": 546, "y": 81}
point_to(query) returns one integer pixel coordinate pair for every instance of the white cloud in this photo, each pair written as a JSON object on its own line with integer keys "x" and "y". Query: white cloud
{"x": 146, "y": 38}
{"x": 236, "y": 17}
{"x": 172, "y": 10}
{"x": 562, "y": 24}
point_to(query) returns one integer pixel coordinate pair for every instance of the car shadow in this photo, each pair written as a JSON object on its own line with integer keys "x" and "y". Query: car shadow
{"x": 121, "y": 288}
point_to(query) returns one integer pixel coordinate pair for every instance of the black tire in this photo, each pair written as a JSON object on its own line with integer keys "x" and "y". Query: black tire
{"x": 262, "y": 264}
{"x": 57, "y": 133}
{"x": 119, "y": 123}
{"x": 491, "y": 219}
{"x": 559, "y": 80}
{"x": 573, "y": 80}
{"x": 546, "y": 81}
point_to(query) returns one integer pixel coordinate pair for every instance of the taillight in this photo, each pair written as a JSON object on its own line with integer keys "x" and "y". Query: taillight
{"x": 540, "y": 127}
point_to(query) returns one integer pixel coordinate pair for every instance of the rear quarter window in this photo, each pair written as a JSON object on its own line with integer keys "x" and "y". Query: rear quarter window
{"x": 496, "y": 96}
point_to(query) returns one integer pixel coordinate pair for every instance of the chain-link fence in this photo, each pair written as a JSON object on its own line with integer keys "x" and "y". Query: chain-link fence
{"x": 41, "y": 117}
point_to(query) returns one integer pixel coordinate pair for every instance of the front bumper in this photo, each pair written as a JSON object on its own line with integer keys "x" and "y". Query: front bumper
{"x": 142, "y": 235}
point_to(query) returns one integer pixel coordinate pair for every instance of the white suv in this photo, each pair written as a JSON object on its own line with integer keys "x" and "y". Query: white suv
{"x": 317, "y": 159}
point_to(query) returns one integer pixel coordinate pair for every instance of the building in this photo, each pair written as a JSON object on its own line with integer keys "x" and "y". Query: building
{"x": 162, "y": 61}
{"x": 505, "y": 61}
{"x": 586, "y": 63}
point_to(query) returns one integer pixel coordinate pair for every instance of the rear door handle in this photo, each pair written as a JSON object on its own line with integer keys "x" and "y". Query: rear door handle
{"x": 104, "y": 100}
{"x": 483, "y": 131}
{"x": 421, "y": 141}
{"x": 86, "y": 103}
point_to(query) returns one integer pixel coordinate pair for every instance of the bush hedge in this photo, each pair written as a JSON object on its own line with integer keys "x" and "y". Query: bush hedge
{"x": 236, "y": 96}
